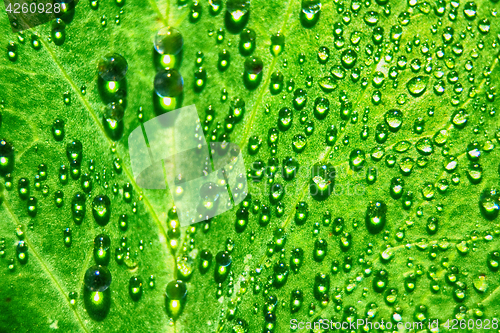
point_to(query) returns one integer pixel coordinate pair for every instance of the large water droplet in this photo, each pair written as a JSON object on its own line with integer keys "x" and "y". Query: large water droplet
{"x": 97, "y": 278}
{"x": 417, "y": 85}
{"x": 112, "y": 67}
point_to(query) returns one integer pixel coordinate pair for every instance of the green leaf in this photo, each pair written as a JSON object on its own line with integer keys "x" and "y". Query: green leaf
{"x": 404, "y": 229}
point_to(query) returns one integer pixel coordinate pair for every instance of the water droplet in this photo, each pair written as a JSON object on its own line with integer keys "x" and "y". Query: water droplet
{"x": 59, "y": 198}
{"x": 299, "y": 99}
{"x": 168, "y": 85}
{"x": 327, "y": 84}
{"x": 277, "y": 44}
{"x": 253, "y": 72}
{"x": 74, "y": 151}
{"x": 32, "y": 210}
{"x": 168, "y": 41}
{"x": 371, "y": 18}
{"x": 237, "y": 10}
{"x": 58, "y": 129}
{"x": 417, "y": 85}
{"x": 247, "y": 42}
{"x": 35, "y": 41}
{"x": 349, "y": 58}
{"x": 494, "y": 261}
{"x": 97, "y": 278}
{"x": 460, "y": 118}
{"x": 323, "y": 54}
{"x": 6, "y": 157}
{"x": 424, "y": 146}
{"x": 135, "y": 288}
{"x": 112, "y": 67}
{"x": 394, "y": 119}
{"x": 195, "y": 12}
{"x": 23, "y": 188}
{"x": 321, "y": 285}
{"x": 299, "y": 143}
{"x": 22, "y": 252}
{"x": 67, "y": 237}
{"x": 484, "y": 26}
{"x": 276, "y": 193}
{"x": 215, "y": 6}
{"x": 280, "y": 274}
{"x": 397, "y": 187}
{"x": 375, "y": 217}
{"x": 237, "y": 109}
{"x": 321, "y": 107}
{"x": 101, "y": 209}
{"x": 320, "y": 250}
{"x": 58, "y": 32}
{"x": 296, "y": 300}
{"x": 285, "y": 118}
{"x": 78, "y": 208}
{"x": 223, "y": 266}
{"x": 224, "y": 60}
{"x": 102, "y": 254}
{"x": 200, "y": 79}
{"x": 322, "y": 181}
{"x": 205, "y": 261}
{"x": 241, "y": 219}
{"x": 123, "y": 222}
{"x": 331, "y": 135}
{"x": 489, "y": 203}
{"x": 301, "y": 213}
{"x": 357, "y": 159}
{"x": 310, "y": 12}
{"x": 97, "y": 296}
{"x": 380, "y": 280}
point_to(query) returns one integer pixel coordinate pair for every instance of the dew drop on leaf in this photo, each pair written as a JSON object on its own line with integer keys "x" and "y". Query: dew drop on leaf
{"x": 375, "y": 217}
{"x": 277, "y": 44}
{"x": 176, "y": 294}
{"x": 102, "y": 253}
{"x": 78, "y": 208}
{"x": 320, "y": 250}
{"x": 215, "y": 6}
{"x": 67, "y": 237}
{"x": 97, "y": 278}
{"x": 168, "y": 86}
{"x": 489, "y": 203}
{"x": 135, "y": 288}
{"x": 112, "y": 67}
{"x": 6, "y": 157}
{"x": 417, "y": 85}
{"x": 101, "y": 209}
{"x": 224, "y": 60}
{"x": 237, "y": 10}
{"x": 22, "y": 252}
{"x": 58, "y": 32}
{"x": 58, "y": 129}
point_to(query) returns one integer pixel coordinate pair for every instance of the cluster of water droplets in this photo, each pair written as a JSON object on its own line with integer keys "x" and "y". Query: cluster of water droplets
{"x": 423, "y": 68}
